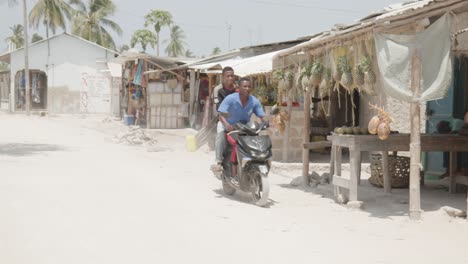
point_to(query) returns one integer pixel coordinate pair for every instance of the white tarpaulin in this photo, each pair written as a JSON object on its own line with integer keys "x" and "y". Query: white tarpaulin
{"x": 242, "y": 67}
{"x": 394, "y": 55}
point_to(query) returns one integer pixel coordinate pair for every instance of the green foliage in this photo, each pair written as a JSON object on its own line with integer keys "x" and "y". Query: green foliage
{"x": 17, "y": 36}
{"x": 52, "y": 14}
{"x": 158, "y": 19}
{"x": 216, "y": 51}
{"x": 36, "y": 37}
{"x": 91, "y": 22}
{"x": 143, "y": 37}
{"x": 176, "y": 46}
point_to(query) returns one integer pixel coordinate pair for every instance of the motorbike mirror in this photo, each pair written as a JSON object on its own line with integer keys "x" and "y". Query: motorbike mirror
{"x": 275, "y": 110}
{"x": 225, "y": 115}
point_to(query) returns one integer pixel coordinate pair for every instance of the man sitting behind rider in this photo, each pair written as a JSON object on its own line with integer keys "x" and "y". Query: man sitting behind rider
{"x": 220, "y": 92}
{"x": 240, "y": 106}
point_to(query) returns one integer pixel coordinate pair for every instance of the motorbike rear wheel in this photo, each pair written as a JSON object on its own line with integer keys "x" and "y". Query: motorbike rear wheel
{"x": 261, "y": 189}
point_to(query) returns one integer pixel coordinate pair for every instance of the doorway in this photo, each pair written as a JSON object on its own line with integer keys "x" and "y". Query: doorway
{"x": 38, "y": 90}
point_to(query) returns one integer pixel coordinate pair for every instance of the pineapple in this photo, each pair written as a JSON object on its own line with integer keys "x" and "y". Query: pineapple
{"x": 337, "y": 74}
{"x": 347, "y": 77}
{"x": 326, "y": 83}
{"x": 369, "y": 75}
{"x": 316, "y": 73}
{"x": 358, "y": 76}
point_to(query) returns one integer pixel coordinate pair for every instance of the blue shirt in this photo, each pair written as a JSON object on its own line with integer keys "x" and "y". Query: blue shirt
{"x": 232, "y": 104}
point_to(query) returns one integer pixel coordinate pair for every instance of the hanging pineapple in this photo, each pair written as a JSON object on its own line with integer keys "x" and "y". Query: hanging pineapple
{"x": 325, "y": 84}
{"x": 369, "y": 75}
{"x": 347, "y": 77}
{"x": 316, "y": 73}
{"x": 338, "y": 73}
{"x": 358, "y": 76}
{"x": 305, "y": 78}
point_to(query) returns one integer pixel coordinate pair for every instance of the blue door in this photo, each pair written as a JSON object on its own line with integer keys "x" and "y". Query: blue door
{"x": 437, "y": 111}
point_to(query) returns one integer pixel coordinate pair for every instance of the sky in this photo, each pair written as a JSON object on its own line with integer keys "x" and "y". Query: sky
{"x": 206, "y": 23}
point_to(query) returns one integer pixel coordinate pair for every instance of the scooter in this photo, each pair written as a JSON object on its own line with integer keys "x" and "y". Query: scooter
{"x": 253, "y": 162}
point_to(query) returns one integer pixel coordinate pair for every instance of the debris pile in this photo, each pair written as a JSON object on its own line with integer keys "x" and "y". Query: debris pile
{"x": 134, "y": 136}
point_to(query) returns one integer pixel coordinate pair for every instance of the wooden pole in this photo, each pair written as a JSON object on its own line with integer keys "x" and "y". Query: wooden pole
{"x": 26, "y": 59}
{"x": 415, "y": 142}
{"x": 306, "y": 151}
{"x": 288, "y": 127}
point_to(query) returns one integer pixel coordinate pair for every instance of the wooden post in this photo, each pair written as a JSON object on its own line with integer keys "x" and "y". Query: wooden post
{"x": 337, "y": 165}
{"x": 386, "y": 175}
{"x": 191, "y": 114}
{"x": 415, "y": 141}
{"x": 355, "y": 164}
{"x": 26, "y": 59}
{"x": 288, "y": 126}
{"x": 452, "y": 169}
{"x": 306, "y": 151}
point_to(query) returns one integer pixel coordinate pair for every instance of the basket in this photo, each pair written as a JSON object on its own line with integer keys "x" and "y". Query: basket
{"x": 398, "y": 169}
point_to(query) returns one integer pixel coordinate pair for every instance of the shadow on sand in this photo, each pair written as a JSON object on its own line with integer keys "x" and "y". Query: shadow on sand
{"x": 434, "y": 195}
{"x": 241, "y": 197}
{"x": 24, "y": 149}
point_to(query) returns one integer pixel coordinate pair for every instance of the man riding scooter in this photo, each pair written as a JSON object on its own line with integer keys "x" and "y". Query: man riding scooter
{"x": 240, "y": 107}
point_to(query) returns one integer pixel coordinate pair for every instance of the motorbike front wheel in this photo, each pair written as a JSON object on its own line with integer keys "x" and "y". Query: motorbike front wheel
{"x": 260, "y": 189}
{"x": 227, "y": 188}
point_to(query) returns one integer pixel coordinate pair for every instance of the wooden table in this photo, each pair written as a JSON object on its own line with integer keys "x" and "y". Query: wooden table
{"x": 356, "y": 144}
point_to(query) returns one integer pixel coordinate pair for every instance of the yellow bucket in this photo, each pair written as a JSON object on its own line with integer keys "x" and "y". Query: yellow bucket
{"x": 190, "y": 143}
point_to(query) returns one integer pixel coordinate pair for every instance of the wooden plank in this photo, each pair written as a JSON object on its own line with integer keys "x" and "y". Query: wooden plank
{"x": 415, "y": 141}
{"x": 341, "y": 182}
{"x": 332, "y": 161}
{"x": 452, "y": 172}
{"x": 305, "y": 151}
{"x": 462, "y": 179}
{"x": 338, "y": 157}
{"x": 355, "y": 163}
{"x": 386, "y": 174}
{"x": 317, "y": 145}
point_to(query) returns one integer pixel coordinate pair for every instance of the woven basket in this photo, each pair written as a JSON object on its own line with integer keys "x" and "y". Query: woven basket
{"x": 398, "y": 168}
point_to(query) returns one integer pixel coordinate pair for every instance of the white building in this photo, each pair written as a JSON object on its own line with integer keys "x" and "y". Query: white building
{"x": 68, "y": 74}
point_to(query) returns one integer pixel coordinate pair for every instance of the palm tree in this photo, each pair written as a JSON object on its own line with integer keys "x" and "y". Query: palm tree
{"x": 159, "y": 19}
{"x": 176, "y": 46}
{"x": 36, "y": 37}
{"x": 143, "y": 37}
{"x": 189, "y": 54}
{"x": 17, "y": 36}
{"x": 52, "y": 13}
{"x": 26, "y": 51}
{"x": 216, "y": 51}
{"x": 123, "y": 48}
{"x": 91, "y": 22}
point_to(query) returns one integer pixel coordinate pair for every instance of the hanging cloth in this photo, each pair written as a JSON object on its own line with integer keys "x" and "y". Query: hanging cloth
{"x": 394, "y": 55}
{"x": 139, "y": 73}
{"x": 35, "y": 90}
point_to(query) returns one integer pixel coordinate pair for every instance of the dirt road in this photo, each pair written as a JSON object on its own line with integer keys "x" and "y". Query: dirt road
{"x": 69, "y": 194}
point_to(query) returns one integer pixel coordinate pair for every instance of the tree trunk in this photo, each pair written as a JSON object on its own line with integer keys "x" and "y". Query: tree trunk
{"x": 157, "y": 44}
{"x": 26, "y": 58}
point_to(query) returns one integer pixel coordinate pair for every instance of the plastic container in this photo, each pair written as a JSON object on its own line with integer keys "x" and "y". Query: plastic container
{"x": 129, "y": 120}
{"x": 190, "y": 143}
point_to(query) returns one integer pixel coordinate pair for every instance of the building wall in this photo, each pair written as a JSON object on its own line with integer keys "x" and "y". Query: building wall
{"x": 75, "y": 81}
